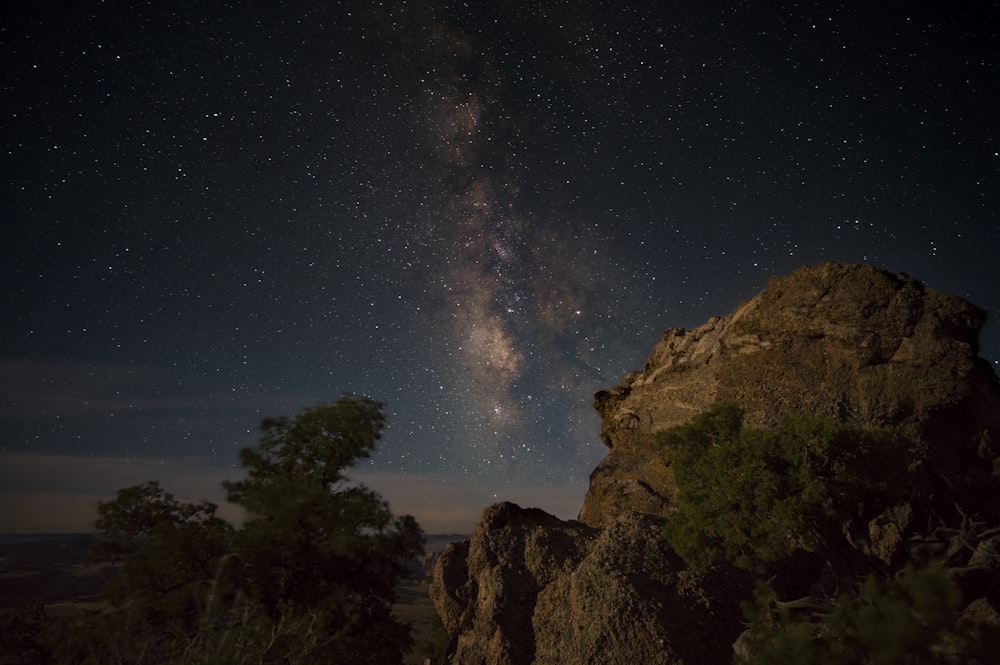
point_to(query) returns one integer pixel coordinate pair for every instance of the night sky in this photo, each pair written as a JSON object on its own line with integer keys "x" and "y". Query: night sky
{"x": 477, "y": 213}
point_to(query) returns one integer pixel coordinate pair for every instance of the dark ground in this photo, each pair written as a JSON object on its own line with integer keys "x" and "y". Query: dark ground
{"x": 48, "y": 568}
{"x": 51, "y": 570}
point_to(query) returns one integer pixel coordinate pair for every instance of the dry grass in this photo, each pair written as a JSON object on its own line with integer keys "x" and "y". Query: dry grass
{"x": 414, "y": 606}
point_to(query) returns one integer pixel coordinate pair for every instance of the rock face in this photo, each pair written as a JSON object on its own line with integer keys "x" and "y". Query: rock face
{"x": 530, "y": 588}
{"x": 845, "y": 341}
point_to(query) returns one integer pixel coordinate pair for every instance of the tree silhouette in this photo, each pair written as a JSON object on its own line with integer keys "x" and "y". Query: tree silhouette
{"x": 310, "y": 576}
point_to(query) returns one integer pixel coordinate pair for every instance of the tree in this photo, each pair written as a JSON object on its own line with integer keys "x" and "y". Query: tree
{"x": 313, "y": 543}
{"x": 170, "y": 552}
{"x": 309, "y": 577}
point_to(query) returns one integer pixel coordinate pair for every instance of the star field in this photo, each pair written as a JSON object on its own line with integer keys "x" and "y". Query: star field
{"x": 477, "y": 213}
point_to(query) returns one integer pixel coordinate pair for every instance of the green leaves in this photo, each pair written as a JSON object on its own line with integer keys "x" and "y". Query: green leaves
{"x": 318, "y": 443}
{"x": 310, "y": 534}
{"x": 130, "y": 520}
{"x": 752, "y": 496}
{"x": 912, "y": 618}
{"x": 170, "y": 550}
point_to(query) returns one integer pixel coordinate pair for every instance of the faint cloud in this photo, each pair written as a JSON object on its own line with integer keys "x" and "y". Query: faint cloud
{"x": 41, "y": 493}
{"x": 60, "y": 493}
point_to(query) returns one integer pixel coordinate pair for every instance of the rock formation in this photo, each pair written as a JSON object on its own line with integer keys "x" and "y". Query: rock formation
{"x": 844, "y": 341}
{"x": 530, "y": 588}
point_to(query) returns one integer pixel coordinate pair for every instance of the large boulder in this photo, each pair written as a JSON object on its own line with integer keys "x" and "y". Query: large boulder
{"x": 530, "y": 588}
{"x": 845, "y": 341}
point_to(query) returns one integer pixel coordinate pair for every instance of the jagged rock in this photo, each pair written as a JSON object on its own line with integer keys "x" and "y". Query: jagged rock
{"x": 845, "y": 341}
{"x": 529, "y": 588}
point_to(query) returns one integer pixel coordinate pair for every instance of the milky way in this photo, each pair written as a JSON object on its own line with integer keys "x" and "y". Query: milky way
{"x": 512, "y": 290}
{"x": 478, "y": 215}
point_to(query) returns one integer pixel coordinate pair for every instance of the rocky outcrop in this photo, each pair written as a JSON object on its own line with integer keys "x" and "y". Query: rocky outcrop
{"x": 530, "y": 588}
{"x": 844, "y": 341}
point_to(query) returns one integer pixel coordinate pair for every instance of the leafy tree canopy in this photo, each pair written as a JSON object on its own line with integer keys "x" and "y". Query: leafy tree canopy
{"x": 313, "y": 447}
{"x": 304, "y": 517}
{"x": 170, "y": 549}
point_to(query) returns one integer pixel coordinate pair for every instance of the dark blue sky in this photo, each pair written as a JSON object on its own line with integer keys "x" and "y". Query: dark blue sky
{"x": 216, "y": 213}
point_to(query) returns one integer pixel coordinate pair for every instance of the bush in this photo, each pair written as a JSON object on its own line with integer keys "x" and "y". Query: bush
{"x": 753, "y": 496}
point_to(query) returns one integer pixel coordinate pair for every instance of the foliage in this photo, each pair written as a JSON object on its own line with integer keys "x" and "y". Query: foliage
{"x": 22, "y": 633}
{"x": 302, "y": 517}
{"x": 435, "y": 646}
{"x": 912, "y": 619}
{"x": 752, "y": 496}
{"x": 313, "y": 447}
{"x": 171, "y": 552}
{"x": 130, "y": 520}
{"x": 309, "y": 577}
